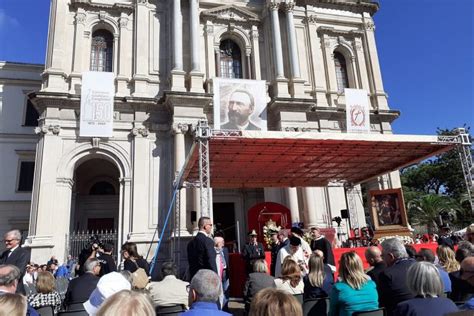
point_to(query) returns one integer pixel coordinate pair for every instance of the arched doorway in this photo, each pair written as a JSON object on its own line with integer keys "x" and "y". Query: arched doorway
{"x": 95, "y": 196}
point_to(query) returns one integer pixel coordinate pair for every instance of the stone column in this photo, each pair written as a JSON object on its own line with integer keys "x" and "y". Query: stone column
{"x": 280, "y": 84}
{"x": 309, "y": 198}
{"x": 125, "y": 58}
{"x": 331, "y": 68}
{"x": 177, "y": 73}
{"x": 380, "y": 96}
{"x": 211, "y": 59}
{"x": 256, "y": 53}
{"x": 125, "y": 210}
{"x": 361, "y": 63}
{"x": 141, "y": 51}
{"x": 77, "y": 68}
{"x": 292, "y": 195}
{"x": 196, "y": 76}
{"x": 179, "y": 158}
{"x": 316, "y": 44}
{"x": 217, "y": 55}
{"x": 296, "y": 84}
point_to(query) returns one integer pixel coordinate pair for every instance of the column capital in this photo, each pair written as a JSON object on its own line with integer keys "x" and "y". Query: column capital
{"x": 125, "y": 181}
{"x": 181, "y": 128}
{"x": 48, "y": 129}
{"x": 369, "y": 26}
{"x": 310, "y": 19}
{"x": 123, "y": 22}
{"x": 209, "y": 29}
{"x": 288, "y": 7}
{"x": 81, "y": 18}
{"x": 274, "y": 6}
{"x": 143, "y": 131}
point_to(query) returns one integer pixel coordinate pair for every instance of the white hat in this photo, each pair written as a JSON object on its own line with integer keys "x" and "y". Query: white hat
{"x": 108, "y": 285}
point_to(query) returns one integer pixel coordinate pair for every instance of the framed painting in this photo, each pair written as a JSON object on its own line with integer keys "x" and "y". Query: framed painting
{"x": 387, "y": 209}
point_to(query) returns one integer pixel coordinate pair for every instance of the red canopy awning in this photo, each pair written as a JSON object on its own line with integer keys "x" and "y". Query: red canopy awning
{"x": 252, "y": 159}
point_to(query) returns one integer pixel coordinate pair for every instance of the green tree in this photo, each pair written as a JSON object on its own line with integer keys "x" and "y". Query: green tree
{"x": 432, "y": 210}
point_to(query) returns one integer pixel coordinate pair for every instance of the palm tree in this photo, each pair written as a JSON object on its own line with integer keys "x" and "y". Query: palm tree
{"x": 432, "y": 210}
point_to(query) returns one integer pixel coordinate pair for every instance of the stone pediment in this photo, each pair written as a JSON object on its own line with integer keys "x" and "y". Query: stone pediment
{"x": 231, "y": 13}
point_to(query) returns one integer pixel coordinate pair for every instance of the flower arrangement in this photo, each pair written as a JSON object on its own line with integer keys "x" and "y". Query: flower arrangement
{"x": 269, "y": 228}
{"x": 406, "y": 240}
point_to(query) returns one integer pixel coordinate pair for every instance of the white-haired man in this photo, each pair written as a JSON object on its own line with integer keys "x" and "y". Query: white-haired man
{"x": 204, "y": 292}
{"x": 392, "y": 284}
{"x": 15, "y": 255}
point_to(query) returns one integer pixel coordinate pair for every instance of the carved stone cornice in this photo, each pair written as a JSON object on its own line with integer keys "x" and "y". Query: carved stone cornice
{"x": 231, "y": 13}
{"x": 335, "y": 32}
{"x": 115, "y": 5}
{"x": 357, "y": 6}
{"x": 48, "y": 129}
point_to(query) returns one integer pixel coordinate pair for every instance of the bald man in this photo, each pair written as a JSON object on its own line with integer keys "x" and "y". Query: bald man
{"x": 373, "y": 255}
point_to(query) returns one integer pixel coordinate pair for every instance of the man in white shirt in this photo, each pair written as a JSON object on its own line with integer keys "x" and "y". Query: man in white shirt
{"x": 294, "y": 250}
{"x": 171, "y": 290}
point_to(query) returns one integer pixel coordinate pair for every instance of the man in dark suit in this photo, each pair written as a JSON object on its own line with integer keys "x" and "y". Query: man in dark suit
{"x": 373, "y": 255}
{"x": 392, "y": 286}
{"x": 240, "y": 108}
{"x": 275, "y": 247}
{"x": 15, "y": 255}
{"x": 201, "y": 252}
{"x": 80, "y": 288}
{"x": 252, "y": 251}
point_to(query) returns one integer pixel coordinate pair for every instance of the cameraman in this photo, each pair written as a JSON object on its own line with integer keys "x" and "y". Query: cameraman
{"x": 88, "y": 252}
{"x": 107, "y": 262}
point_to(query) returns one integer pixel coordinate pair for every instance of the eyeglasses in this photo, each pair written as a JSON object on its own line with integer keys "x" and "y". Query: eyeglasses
{"x": 8, "y": 240}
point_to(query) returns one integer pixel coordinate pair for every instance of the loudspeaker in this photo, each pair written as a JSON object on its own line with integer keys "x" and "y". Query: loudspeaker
{"x": 345, "y": 213}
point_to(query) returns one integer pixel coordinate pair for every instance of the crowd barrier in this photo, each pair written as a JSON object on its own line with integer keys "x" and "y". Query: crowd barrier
{"x": 237, "y": 273}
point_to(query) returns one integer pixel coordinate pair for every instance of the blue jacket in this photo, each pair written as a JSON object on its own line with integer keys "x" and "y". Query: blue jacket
{"x": 323, "y": 291}
{"x": 345, "y": 300}
{"x": 204, "y": 308}
{"x": 425, "y": 307}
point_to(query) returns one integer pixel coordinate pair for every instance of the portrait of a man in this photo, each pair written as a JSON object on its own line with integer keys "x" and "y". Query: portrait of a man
{"x": 240, "y": 107}
{"x": 240, "y": 104}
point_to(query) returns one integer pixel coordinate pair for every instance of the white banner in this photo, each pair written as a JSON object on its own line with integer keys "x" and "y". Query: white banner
{"x": 357, "y": 111}
{"x": 97, "y": 104}
{"x": 240, "y": 104}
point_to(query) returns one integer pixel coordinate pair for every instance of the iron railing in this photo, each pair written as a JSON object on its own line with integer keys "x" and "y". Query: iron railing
{"x": 77, "y": 241}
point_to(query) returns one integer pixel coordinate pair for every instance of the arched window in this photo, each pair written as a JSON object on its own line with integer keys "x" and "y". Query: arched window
{"x": 101, "y": 51}
{"x": 341, "y": 72}
{"x": 230, "y": 60}
{"x": 102, "y": 188}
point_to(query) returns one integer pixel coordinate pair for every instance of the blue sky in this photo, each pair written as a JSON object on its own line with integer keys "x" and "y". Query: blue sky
{"x": 425, "y": 49}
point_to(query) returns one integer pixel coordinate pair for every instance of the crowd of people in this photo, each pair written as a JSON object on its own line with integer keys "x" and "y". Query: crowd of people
{"x": 400, "y": 279}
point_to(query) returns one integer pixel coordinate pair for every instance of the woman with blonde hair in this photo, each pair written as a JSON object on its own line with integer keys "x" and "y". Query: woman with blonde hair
{"x": 12, "y": 305}
{"x": 46, "y": 292}
{"x": 355, "y": 291}
{"x": 290, "y": 280}
{"x": 424, "y": 281}
{"x": 319, "y": 281}
{"x": 447, "y": 259}
{"x": 127, "y": 303}
{"x": 273, "y": 302}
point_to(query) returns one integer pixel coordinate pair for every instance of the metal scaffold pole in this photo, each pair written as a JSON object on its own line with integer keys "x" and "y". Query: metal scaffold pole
{"x": 203, "y": 133}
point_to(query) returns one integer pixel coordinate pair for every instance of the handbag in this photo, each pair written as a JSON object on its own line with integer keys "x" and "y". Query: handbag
{"x": 139, "y": 277}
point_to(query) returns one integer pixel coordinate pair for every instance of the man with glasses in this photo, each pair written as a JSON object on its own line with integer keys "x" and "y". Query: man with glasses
{"x": 201, "y": 252}
{"x": 15, "y": 255}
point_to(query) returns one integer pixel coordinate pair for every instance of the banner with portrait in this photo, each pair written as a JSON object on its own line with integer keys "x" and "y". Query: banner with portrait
{"x": 97, "y": 104}
{"x": 240, "y": 104}
{"x": 357, "y": 111}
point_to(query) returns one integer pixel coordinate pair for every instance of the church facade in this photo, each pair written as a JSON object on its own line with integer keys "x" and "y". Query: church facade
{"x": 164, "y": 56}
